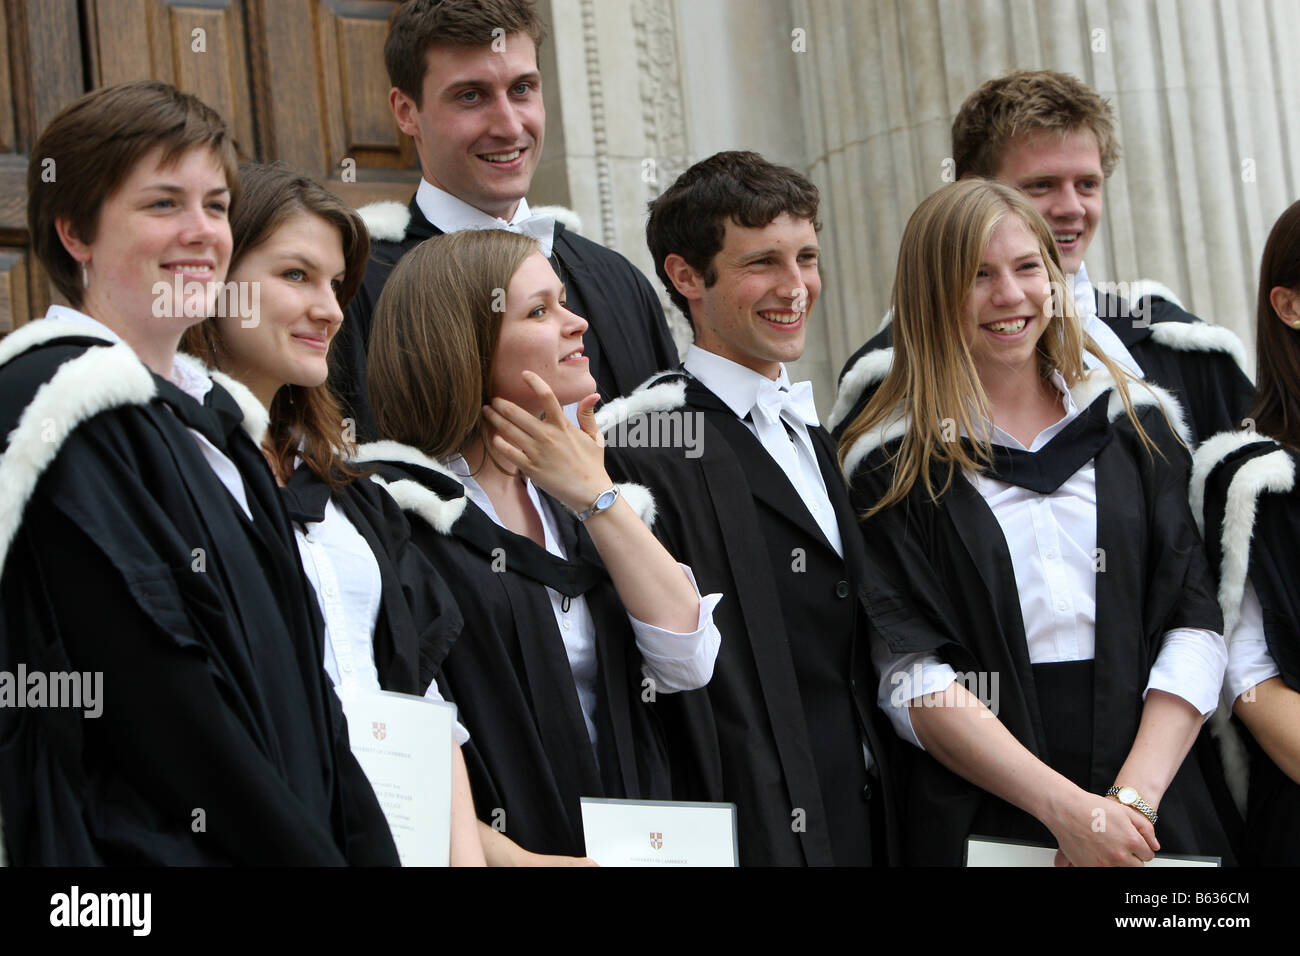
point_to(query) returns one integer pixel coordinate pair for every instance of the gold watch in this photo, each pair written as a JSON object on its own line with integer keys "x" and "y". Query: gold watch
{"x": 1130, "y": 798}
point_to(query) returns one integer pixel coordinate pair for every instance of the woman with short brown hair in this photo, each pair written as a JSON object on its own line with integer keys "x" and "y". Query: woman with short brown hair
{"x": 144, "y": 545}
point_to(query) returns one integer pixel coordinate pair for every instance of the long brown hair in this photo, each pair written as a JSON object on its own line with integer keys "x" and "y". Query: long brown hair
{"x": 1276, "y": 411}
{"x": 434, "y": 337}
{"x": 933, "y": 379}
{"x": 305, "y": 422}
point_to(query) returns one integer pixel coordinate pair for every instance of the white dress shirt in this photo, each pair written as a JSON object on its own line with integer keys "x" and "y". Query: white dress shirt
{"x": 1249, "y": 662}
{"x": 451, "y": 214}
{"x": 1085, "y": 300}
{"x": 345, "y": 576}
{"x": 1051, "y": 540}
{"x": 673, "y": 661}
{"x": 787, "y": 441}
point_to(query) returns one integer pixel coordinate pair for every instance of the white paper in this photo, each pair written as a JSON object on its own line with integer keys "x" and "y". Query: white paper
{"x": 982, "y": 851}
{"x": 403, "y": 743}
{"x": 659, "y": 833}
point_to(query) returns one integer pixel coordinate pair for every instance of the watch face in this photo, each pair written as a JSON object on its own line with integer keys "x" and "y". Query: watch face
{"x": 606, "y": 500}
{"x": 1127, "y": 795}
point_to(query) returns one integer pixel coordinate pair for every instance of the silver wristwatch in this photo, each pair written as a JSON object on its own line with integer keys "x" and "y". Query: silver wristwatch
{"x": 603, "y": 502}
{"x": 1129, "y": 797}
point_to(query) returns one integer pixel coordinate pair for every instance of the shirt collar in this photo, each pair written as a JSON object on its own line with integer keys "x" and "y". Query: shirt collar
{"x": 735, "y": 384}
{"x": 1085, "y": 298}
{"x": 451, "y": 214}
{"x": 184, "y": 375}
{"x": 998, "y": 437}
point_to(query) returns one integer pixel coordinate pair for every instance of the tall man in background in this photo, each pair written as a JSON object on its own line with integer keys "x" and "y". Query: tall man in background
{"x": 466, "y": 89}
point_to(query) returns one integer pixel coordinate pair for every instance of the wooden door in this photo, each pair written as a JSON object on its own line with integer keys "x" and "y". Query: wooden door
{"x": 301, "y": 81}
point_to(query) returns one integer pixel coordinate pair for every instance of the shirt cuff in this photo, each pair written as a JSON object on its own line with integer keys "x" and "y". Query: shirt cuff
{"x": 905, "y": 677}
{"x": 458, "y": 732}
{"x": 1190, "y": 665}
{"x": 676, "y": 661}
{"x": 1249, "y": 662}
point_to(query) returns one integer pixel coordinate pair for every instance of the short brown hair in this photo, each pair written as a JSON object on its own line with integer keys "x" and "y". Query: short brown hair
{"x": 1277, "y": 348}
{"x": 90, "y": 148}
{"x": 418, "y": 25}
{"x": 434, "y": 337}
{"x": 1026, "y": 102}
{"x": 305, "y": 422}
{"x": 690, "y": 217}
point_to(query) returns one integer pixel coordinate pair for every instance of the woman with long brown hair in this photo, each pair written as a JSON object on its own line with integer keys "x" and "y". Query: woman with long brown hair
{"x": 389, "y": 617}
{"x": 1244, "y": 486}
{"x": 580, "y": 618}
{"x": 1046, "y": 635}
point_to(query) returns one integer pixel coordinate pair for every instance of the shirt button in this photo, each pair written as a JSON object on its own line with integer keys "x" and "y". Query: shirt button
{"x": 1062, "y": 606}
{"x": 329, "y": 590}
{"x": 567, "y": 625}
{"x": 1049, "y": 555}
{"x": 842, "y": 589}
{"x": 347, "y": 668}
{"x": 310, "y": 538}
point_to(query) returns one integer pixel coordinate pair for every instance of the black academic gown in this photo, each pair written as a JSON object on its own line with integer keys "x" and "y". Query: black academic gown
{"x": 1171, "y": 345}
{"x": 942, "y": 581}
{"x": 1262, "y": 476}
{"x": 794, "y": 658}
{"x": 220, "y": 741}
{"x": 419, "y": 618}
{"x": 529, "y": 756}
{"x": 627, "y": 338}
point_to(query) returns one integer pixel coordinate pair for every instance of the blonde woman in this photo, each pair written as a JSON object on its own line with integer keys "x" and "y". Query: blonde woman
{"x": 1046, "y": 633}
{"x": 576, "y": 618}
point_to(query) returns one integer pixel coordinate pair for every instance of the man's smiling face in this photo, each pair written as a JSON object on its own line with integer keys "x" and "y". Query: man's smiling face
{"x": 480, "y": 123}
{"x": 1061, "y": 176}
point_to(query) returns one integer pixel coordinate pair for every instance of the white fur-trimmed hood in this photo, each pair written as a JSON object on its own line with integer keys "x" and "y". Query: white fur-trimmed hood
{"x": 867, "y": 371}
{"x": 1084, "y": 393}
{"x": 647, "y": 398}
{"x": 1274, "y": 472}
{"x": 96, "y": 381}
{"x": 386, "y": 220}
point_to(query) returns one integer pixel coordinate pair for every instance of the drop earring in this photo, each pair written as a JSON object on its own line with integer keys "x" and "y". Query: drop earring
{"x": 85, "y": 277}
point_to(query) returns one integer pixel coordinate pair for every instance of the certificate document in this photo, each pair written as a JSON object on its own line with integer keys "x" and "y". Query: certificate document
{"x": 659, "y": 832}
{"x": 991, "y": 851}
{"x": 403, "y": 743}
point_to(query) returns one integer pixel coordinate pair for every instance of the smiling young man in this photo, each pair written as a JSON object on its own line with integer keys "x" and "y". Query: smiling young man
{"x": 785, "y": 729}
{"x": 1053, "y": 138}
{"x": 467, "y": 90}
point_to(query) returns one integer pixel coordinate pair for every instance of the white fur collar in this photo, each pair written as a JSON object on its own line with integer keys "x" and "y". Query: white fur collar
{"x": 96, "y": 381}
{"x": 406, "y": 454}
{"x": 39, "y": 331}
{"x": 869, "y": 370}
{"x": 646, "y": 399}
{"x": 1157, "y": 290}
{"x": 1199, "y": 337}
{"x": 440, "y": 513}
{"x": 386, "y": 220}
{"x": 1208, "y": 455}
{"x": 1084, "y": 393}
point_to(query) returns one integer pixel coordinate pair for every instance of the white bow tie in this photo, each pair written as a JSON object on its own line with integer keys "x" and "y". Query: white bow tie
{"x": 541, "y": 228}
{"x": 772, "y": 400}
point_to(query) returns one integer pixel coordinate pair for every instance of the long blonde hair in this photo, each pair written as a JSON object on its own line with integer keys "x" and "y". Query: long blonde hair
{"x": 933, "y": 382}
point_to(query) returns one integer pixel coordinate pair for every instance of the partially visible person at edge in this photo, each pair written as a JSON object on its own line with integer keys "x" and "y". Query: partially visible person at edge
{"x": 1053, "y": 138}
{"x": 1046, "y": 632}
{"x": 786, "y": 729}
{"x": 467, "y": 89}
{"x": 389, "y": 616}
{"x": 144, "y": 539}
{"x": 582, "y": 621}
{"x": 1244, "y": 486}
